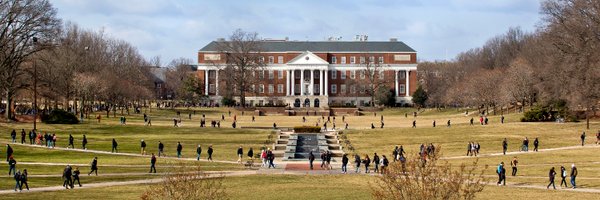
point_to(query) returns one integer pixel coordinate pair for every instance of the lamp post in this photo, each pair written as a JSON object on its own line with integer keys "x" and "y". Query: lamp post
{"x": 35, "y": 110}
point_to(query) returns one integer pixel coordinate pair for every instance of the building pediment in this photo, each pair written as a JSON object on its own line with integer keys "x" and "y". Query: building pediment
{"x": 307, "y": 58}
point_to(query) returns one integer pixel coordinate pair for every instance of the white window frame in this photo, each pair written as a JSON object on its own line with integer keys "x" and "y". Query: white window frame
{"x": 261, "y": 88}
{"x": 362, "y": 74}
{"x": 380, "y": 59}
{"x": 261, "y": 59}
{"x": 279, "y": 74}
{"x": 271, "y": 75}
{"x": 333, "y": 88}
{"x": 343, "y": 61}
{"x": 271, "y": 89}
{"x": 371, "y": 59}
{"x": 353, "y": 74}
{"x": 280, "y": 59}
{"x": 352, "y": 59}
{"x": 333, "y": 74}
{"x": 353, "y": 89}
{"x": 261, "y": 74}
{"x": 280, "y": 88}
{"x": 401, "y": 89}
{"x": 362, "y": 60}
{"x": 343, "y": 89}
{"x": 271, "y": 59}
{"x": 343, "y": 76}
{"x": 333, "y": 60}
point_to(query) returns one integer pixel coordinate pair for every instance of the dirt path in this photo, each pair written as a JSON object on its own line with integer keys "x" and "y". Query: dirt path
{"x": 524, "y": 152}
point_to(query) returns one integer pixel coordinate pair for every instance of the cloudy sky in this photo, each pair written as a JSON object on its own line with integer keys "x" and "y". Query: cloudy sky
{"x": 437, "y": 29}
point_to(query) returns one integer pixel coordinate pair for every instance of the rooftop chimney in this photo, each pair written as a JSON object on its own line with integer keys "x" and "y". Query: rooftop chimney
{"x": 393, "y": 39}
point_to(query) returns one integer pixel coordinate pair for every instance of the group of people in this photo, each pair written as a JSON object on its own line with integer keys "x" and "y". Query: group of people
{"x": 525, "y": 145}
{"x": 563, "y": 176}
{"x": 473, "y": 148}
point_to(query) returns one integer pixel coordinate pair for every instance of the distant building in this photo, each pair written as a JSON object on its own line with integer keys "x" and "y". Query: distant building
{"x": 317, "y": 73}
{"x": 159, "y": 79}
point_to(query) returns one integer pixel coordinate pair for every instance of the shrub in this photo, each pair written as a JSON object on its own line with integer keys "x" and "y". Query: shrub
{"x": 226, "y": 101}
{"x": 60, "y": 117}
{"x": 307, "y": 129}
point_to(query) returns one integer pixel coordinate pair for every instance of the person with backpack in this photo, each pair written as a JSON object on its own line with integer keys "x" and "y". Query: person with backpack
{"x": 143, "y": 147}
{"x": 563, "y": 176}
{"x": 551, "y": 176}
{"x": 499, "y": 172}
{"x": 179, "y": 149}
{"x": 152, "y": 164}
{"x": 76, "y": 177}
{"x": 12, "y": 165}
{"x": 345, "y": 163}
{"x": 24, "y": 180}
{"x": 94, "y": 166}
{"x": 573, "y": 175}
{"x": 376, "y": 162}
{"x": 17, "y": 178}
{"x": 198, "y": 152}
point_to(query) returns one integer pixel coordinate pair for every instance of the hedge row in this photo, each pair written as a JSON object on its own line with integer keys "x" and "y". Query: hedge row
{"x": 307, "y": 129}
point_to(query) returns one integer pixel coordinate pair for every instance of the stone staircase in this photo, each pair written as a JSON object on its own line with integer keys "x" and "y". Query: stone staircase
{"x": 296, "y": 146}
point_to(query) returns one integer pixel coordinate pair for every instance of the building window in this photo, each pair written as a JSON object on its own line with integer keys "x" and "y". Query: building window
{"x": 380, "y": 59}
{"x": 280, "y": 74}
{"x": 261, "y": 88}
{"x": 372, "y": 59}
{"x": 297, "y": 75}
{"x": 402, "y": 89}
{"x": 333, "y": 60}
{"x": 333, "y": 74}
{"x": 271, "y": 74}
{"x": 316, "y": 88}
{"x": 381, "y": 74}
{"x": 353, "y": 74}
{"x": 297, "y": 88}
{"x": 261, "y": 74}
{"x": 361, "y": 89}
{"x": 271, "y": 89}
{"x": 333, "y": 89}
{"x": 362, "y": 74}
{"x": 261, "y": 59}
{"x": 343, "y": 89}
{"x": 402, "y": 75}
{"x": 343, "y": 60}
{"x": 343, "y": 76}
{"x": 352, "y": 60}
{"x": 271, "y": 59}
{"x": 280, "y": 59}
{"x": 280, "y": 88}
{"x": 211, "y": 88}
{"x": 362, "y": 60}
{"x": 353, "y": 89}
{"x": 158, "y": 85}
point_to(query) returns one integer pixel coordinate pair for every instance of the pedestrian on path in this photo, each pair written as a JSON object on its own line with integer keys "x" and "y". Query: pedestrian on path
{"x": 152, "y": 164}
{"x": 13, "y": 136}
{"x": 94, "y": 166}
{"x": 84, "y": 142}
{"x": 251, "y": 154}
{"x": 198, "y": 152}
{"x": 499, "y": 172}
{"x": 71, "y": 139}
{"x": 271, "y": 158}
{"x": 9, "y": 151}
{"x": 384, "y": 164}
{"x": 503, "y": 175}
{"x": 67, "y": 181}
{"x": 573, "y": 175}
{"x": 583, "y": 138}
{"x": 240, "y": 153}
{"x": 513, "y": 164}
{"x": 357, "y": 162}
{"x": 161, "y": 147}
{"x": 76, "y": 176}
{"x": 114, "y": 146}
{"x": 551, "y": 176}
{"x": 563, "y": 176}
{"x": 263, "y": 157}
{"x": 376, "y": 161}
{"x": 179, "y": 148}
{"x": 17, "y": 178}
{"x": 24, "y": 180}
{"x": 23, "y": 136}
{"x": 367, "y": 162}
{"x": 12, "y": 165}
{"x": 311, "y": 159}
{"x": 210, "y": 152}
{"x": 143, "y": 147}
{"x": 345, "y": 163}
{"x": 536, "y": 143}
{"x": 323, "y": 159}
{"x": 504, "y": 146}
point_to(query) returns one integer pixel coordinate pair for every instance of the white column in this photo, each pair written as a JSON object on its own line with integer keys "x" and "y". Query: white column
{"x": 326, "y": 86}
{"x": 396, "y": 81}
{"x": 287, "y": 83}
{"x": 217, "y": 82}
{"x": 321, "y": 82}
{"x": 407, "y": 83}
{"x": 206, "y": 82}
{"x": 302, "y": 82}
{"x": 312, "y": 83}
{"x": 293, "y": 91}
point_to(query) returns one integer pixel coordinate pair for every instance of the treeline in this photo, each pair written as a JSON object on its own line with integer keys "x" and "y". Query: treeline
{"x": 559, "y": 62}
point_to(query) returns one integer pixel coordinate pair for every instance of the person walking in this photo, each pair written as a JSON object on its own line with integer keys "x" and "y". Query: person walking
{"x": 328, "y": 156}
{"x": 357, "y": 162}
{"x": 414, "y": 124}
{"x": 9, "y": 152}
{"x": 114, "y": 146}
{"x": 502, "y": 119}
{"x": 563, "y": 176}
{"x": 384, "y": 164}
{"x": 240, "y": 153}
{"x": 31, "y": 137}
{"x": 152, "y": 164}
{"x": 13, "y": 136}
{"x": 323, "y": 159}
{"x": 448, "y": 124}
{"x": 12, "y": 165}
{"x": 582, "y": 138}
{"x": 251, "y": 155}
{"x": 367, "y": 162}
{"x": 271, "y": 158}
{"x": 24, "y": 179}
{"x": 179, "y": 148}
{"x": 76, "y": 176}
{"x": 198, "y": 152}
{"x": 67, "y": 181}
{"x": 469, "y": 147}
{"x": 376, "y": 161}
{"x": 503, "y": 175}
{"x": 71, "y": 139}
{"x": 23, "y": 136}
{"x": 513, "y": 164}
{"x": 94, "y": 166}
{"x": 263, "y": 157}
{"x": 210, "y": 152}
{"x": 504, "y": 146}
{"x": 345, "y": 163}
{"x": 551, "y": 176}
{"x": 17, "y": 178}
{"x": 499, "y": 172}
{"x": 471, "y": 121}
{"x": 161, "y": 147}
{"x": 536, "y": 143}
{"x": 143, "y": 147}
{"x": 311, "y": 159}
{"x": 598, "y": 137}
{"x": 84, "y": 142}
{"x": 433, "y": 123}
{"x": 573, "y": 175}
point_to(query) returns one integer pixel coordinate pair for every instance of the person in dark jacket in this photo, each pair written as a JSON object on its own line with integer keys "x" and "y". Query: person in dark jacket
{"x": 311, "y": 159}
{"x": 17, "y": 178}
{"x": 240, "y": 154}
{"x": 24, "y": 179}
{"x": 198, "y": 152}
{"x": 94, "y": 166}
{"x": 32, "y": 136}
{"x": 367, "y": 162}
{"x": 345, "y": 163}
{"x": 23, "y": 136}
{"x": 71, "y": 139}
{"x": 503, "y": 175}
{"x": 152, "y": 164}
{"x": 76, "y": 177}
{"x": 9, "y": 151}
{"x": 12, "y": 165}
{"x": 536, "y": 143}
{"x": 504, "y": 146}
{"x": 67, "y": 173}
{"x": 582, "y": 138}
{"x": 251, "y": 154}
{"x": 357, "y": 161}
{"x": 143, "y": 146}
{"x": 271, "y": 158}
{"x": 384, "y": 163}
{"x": 114, "y": 146}
{"x": 210, "y": 152}
{"x": 323, "y": 159}
{"x": 179, "y": 148}
{"x": 161, "y": 147}
{"x": 376, "y": 163}
{"x": 563, "y": 176}
{"x": 573, "y": 175}
{"x": 551, "y": 176}
{"x": 84, "y": 142}
{"x": 13, "y": 136}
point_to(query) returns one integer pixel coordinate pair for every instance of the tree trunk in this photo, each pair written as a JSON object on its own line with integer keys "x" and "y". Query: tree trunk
{"x": 8, "y": 112}
{"x": 587, "y": 119}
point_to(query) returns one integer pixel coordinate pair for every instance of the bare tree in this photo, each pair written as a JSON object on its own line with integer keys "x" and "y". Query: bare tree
{"x": 179, "y": 71}
{"x": 519, "y": 86}
{"x": 243, "y": 52}
{"x": 20, "y": 22}
{"x": 182, "y": 184}
{"x": 427, "y": 177}
{"x": 372, "y": 77}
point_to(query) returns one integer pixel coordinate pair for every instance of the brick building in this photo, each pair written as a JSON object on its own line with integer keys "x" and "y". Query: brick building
{"x": 318, "y": 73}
